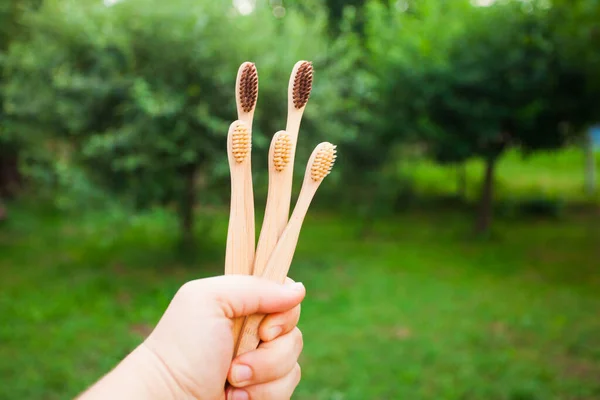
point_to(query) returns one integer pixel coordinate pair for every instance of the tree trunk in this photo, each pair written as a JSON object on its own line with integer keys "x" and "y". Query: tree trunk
{"x": 2, "y": 210}
{"x": 461, "y": 183}
{"x": 10, "y": 179}
{"x": 484, "y": 217}
{"x": 590, "y": 165}
{"x": 10, "y": 176}
{"x": 186, "y": 206}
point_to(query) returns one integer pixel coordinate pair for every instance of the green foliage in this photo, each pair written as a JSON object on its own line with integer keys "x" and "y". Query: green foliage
{"x": 398, "y": 40}
{"x": 577, "y": 30}
{"x": 402, "y": 44}
{"x": 335, "y": 9}
{"x": 495, "y": 78}
{"x": 10, "y": 20}
{"x": 138, "y": 95}
{"x": 507, "y": 89}
{"x": 14, "y": 149}
{"x": 507, "y": 85}
{"x": 143, "y": 91}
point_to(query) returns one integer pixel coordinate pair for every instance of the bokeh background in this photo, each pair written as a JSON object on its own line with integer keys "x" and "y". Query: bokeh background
{"x": 454, "y": 252}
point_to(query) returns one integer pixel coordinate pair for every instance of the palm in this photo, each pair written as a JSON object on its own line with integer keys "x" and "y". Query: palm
{"x": 208, "y": 332}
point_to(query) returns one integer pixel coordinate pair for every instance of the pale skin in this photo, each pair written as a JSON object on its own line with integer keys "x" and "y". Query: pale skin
{"x": 189, "y": 353}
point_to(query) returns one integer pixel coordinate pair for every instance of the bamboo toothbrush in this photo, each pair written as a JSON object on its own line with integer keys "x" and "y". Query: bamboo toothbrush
{"x": 246, "y": 92}
{"x": 299, "y": 88}
{"x": 276, "y": 216}
{"x": 246, "y": 89}
{"x": 318, "y": 167}
{"x": 280, "y": 187}
{"x": 239, "y": 253}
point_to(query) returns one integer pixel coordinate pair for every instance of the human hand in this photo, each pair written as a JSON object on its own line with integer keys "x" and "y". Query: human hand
{"x": 188, "y": 355}
{"x": 274, "y": 367}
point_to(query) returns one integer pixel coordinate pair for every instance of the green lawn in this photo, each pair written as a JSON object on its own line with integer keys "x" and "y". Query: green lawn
{"x": 557, "y": 175}
{"x": 416, "y": 310}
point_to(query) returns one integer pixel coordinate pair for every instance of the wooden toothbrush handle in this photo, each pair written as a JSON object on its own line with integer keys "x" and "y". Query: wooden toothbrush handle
{"x": 276, "y": 270}
{"x": 249, "y": 338}
{"x": 238, "y": 326}
{"x": 250, "y": 238}
{"x": 238, "y": 332}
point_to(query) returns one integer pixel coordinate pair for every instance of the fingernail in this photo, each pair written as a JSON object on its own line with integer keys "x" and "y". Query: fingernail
{"x": 273, "y": 332}
{"x": 297, "y": 286}
{"x": 241, "y": 373}
{"x": 237, "y": 394}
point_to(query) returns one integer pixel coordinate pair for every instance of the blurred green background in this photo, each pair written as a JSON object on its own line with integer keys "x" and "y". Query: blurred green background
{"x": 453, "y": 253}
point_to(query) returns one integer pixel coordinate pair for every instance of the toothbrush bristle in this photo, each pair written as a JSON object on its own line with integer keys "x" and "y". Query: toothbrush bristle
{"x": 282, "y": 151}
{"x": 248, "y": 90}
{"x": 240, "y": 142}
{"x": 323, "y": 162}
{"x": 302, "y": 84}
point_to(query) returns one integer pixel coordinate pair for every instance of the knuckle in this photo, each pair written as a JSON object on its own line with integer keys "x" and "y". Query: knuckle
{"x": 289, "y": 280}
{"x": 193, "y": 293}
{"x": 298, "y": 338}
{"x": 297, "y": 312}
{"x": 297, "y": 374}
{"x": 272, "y": 321}
{"x": 270, "y": 362}
{"x": 285, "y": 319}
{"x": 187, "y": 295}
{"x": 187, "y": 290}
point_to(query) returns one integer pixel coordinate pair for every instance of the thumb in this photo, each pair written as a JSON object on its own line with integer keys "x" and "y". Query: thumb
{"x": 242, "y": 295}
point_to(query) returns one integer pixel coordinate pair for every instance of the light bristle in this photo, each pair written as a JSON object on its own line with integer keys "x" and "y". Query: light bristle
{"x": 323, "y": 162}
{"x": 282, "y": 151}
{"x": 248, "y": 87}
{"x": 302, "y": 84}
{"x": 240, "y": 143}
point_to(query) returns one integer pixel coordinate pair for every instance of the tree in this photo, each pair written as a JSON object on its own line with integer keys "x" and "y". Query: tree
{"x": 399, "y": 43}
{"x": 464, "y": 82}
{"x": 11, "y": 29}
{"x": 577, "y": 24}
{"x": 143, "y": 91}
{"x": 505, "y": 85}
{"x": 335, "y": 9}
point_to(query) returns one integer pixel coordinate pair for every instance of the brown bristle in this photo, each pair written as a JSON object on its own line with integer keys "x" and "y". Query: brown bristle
{"x": 282, "y": 151}
{"x": 323, "y": 162}
{"x": 240, "y": 143}
{"x": 248, "y": 90}
{"x": 302, "y": 84}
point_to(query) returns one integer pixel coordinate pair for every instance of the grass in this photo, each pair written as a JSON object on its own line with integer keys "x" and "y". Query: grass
{"x": 417, "y": 310}
{"x": 556, "y": 175}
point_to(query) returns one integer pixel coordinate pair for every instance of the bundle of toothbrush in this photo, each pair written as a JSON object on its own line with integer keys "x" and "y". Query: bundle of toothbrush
{"x": 280, "y": 232}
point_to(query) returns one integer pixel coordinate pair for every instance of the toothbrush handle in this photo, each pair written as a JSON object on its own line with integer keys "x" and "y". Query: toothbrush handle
{"x": 249, "y": 236}
{"x": 249, "y": 339}
{"x": 276, "y": 270}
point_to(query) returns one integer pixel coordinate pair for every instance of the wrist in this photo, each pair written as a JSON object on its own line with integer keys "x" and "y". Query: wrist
{"x": 141, "y": 375}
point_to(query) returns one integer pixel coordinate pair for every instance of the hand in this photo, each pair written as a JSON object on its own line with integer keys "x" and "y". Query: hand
{"x": 188, "y": 355}
{"x": 273, "y": 367}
